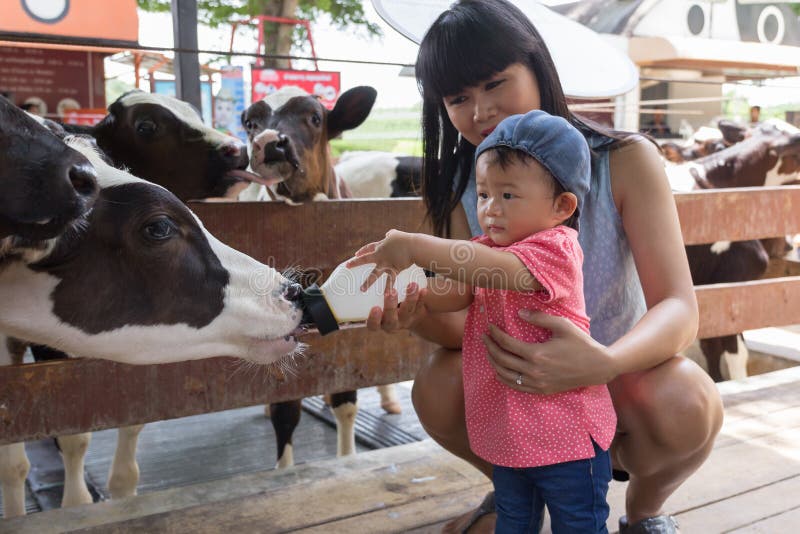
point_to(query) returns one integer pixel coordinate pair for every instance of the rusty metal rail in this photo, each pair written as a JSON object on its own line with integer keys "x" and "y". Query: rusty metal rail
{"x": 66, "y": 397}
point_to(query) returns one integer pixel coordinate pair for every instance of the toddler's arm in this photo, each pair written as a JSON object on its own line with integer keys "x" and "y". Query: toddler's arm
{"x": 463, "y": 261}
{"x": 445, "y": 295}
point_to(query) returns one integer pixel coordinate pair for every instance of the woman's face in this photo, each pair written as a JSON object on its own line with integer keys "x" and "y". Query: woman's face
{"x": 477, "y": 110}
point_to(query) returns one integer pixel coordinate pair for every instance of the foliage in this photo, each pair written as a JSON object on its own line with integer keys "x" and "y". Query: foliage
{"x": 214, "y": 13}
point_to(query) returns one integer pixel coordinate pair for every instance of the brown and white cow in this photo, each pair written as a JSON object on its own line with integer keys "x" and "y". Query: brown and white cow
{"x": 289, "y": 132}
{"x": 163, "y": 140}
{"x": 136, "y": 280}
{"x": 767, "y": 156}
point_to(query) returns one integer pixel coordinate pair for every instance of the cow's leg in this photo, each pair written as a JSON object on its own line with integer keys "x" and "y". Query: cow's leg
{"x": 285, "y": 417}
{"x": 389, "y": 401}
{"x": 14, "y": 467}
{"x": 736, "y": 361}
{"x": 73, "y": 451}
{"x": 713, "y": 349}
{"x": 123, "y": 476}
{"x": 345, "y": 408}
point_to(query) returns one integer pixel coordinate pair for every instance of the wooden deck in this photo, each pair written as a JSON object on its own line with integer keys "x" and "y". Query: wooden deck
{"x": 751, "y": 483}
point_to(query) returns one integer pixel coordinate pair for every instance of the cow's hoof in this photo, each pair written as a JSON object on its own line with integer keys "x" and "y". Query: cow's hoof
{"x": 392, "y": 407}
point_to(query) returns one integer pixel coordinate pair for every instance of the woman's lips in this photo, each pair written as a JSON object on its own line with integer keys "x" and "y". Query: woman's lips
{"x": 487, "y": 131}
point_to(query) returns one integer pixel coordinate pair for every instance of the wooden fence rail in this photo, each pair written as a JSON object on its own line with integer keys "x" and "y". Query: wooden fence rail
{"x": 72, "y": 396}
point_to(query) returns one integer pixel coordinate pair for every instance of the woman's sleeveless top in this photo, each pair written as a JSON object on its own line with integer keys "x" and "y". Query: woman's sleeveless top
{"x": 614, "y": 297}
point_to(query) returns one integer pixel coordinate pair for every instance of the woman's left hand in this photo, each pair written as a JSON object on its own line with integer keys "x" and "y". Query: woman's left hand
{"x": 568, "y": 360}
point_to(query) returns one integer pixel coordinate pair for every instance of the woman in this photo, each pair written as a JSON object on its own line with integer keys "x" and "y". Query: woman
{"x": 481, "y": 61}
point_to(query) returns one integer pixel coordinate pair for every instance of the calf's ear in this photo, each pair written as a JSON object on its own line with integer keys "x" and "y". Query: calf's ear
{"x": 351, "y": 109}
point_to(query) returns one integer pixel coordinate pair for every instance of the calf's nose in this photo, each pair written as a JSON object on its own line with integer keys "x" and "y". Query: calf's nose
{"x": 83, "y": 178}
{"x": 234, "y": 153}
{"x": 293, "y": 292}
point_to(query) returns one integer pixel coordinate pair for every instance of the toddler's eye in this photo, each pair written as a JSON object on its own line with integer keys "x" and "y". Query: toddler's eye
{"x": 507, "y": 196}
{"x": 483, "y": 196}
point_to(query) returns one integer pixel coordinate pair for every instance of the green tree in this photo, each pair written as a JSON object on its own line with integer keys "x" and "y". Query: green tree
{"x": 278, "y": 38}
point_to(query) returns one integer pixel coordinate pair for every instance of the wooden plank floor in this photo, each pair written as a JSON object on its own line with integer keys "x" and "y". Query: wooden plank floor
{"x": 751, "y": 483}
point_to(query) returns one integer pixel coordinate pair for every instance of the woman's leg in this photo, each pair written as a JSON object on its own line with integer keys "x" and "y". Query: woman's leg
{"x": 438, "y": 397}
{"x": 668, "y": 418}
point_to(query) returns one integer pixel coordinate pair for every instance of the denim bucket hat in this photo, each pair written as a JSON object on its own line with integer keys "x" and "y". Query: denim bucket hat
{"x": 550, "y": 140}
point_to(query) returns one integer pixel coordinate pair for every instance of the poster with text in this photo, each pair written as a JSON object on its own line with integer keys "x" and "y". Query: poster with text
{"x": 325, "y": 85}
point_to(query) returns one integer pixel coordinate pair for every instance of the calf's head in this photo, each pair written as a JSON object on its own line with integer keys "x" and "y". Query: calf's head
{"x": 139, "y": 280}
{"x": 44, "y": 184}
{"x": 289, "y": 132}
{"x": 163, "y": 140}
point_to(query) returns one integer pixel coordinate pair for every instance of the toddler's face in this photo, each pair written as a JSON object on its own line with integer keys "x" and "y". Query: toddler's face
{"x": 514, "y": 202}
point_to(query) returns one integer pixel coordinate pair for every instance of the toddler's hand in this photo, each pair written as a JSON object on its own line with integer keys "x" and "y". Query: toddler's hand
{"x": 390, "y": 255}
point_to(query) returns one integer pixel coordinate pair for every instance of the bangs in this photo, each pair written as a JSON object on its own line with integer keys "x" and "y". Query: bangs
{"x": 461, "y": 51}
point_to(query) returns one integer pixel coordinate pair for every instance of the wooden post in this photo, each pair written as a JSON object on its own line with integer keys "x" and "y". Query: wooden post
{"x": 187, "y": 64}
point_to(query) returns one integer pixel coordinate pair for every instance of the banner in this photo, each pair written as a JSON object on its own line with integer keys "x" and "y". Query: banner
{"x": 325, "y": 85}
{"x": 101, "y": 20}
{"x": 52, "y": 82}
{"x": 229, "y": 103}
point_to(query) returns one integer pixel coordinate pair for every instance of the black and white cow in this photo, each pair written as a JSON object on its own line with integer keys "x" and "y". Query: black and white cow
{"x": 374, "y": 174}
{"x": 769, "y": 155}
{"x": 44, "y": 184}
{"x": 137, "y": 280}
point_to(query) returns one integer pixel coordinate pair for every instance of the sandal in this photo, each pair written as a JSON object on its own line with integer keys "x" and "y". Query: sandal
{"x": 485, "y": 507}
{"x": 660, "y": 524}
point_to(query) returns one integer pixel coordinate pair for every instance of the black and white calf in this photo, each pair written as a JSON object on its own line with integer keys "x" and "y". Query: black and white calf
{"x": 137, "y": 280}
{"x": 373, "y": 174}
{"x": 769, "y": 155}
{"x": 44, "y": 184}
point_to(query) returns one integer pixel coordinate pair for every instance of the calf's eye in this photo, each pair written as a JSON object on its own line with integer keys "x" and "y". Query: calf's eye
{"x": 159, "y": 229}
{"x": 146, "y": 127}
{"x": 316, "y": 120}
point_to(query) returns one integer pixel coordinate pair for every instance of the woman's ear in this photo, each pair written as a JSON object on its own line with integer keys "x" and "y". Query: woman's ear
{"x": 564, "y": 205}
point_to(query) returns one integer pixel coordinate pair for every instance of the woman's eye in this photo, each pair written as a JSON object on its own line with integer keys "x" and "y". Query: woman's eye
{"x": 456, "y": 100}
{"x": 493, "y": 84}
{"x": 159, "y": 229}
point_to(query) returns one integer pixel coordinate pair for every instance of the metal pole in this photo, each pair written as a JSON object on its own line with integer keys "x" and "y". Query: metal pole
{"x": 187, "y": 64}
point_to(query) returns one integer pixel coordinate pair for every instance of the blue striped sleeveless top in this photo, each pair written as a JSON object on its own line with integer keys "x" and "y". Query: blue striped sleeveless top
{"x": 614, "y": 297}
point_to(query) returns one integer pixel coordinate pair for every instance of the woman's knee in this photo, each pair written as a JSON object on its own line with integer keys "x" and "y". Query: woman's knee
{"x": 676, "y": 402}
{"x": 438, "y": 393}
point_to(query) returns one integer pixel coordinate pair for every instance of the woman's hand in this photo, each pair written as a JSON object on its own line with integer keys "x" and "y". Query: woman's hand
{"x": 390, "y": 255}
{"x": 393, "y": 318}
{"x": 568, "y": 360}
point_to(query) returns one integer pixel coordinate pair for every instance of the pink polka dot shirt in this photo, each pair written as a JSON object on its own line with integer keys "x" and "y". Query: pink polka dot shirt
{"x": 515, "y": 429}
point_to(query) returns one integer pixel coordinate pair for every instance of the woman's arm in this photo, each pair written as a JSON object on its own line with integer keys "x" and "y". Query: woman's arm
{"x": 650, "y": 218}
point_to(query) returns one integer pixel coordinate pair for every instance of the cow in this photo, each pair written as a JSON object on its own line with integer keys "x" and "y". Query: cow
{"x": 373, "y": 174}
{"x": 44, "y": 184}
{"x": 288, "y": 133}
{"x": 769, "y": 155}
{"x": 110, "y": 287}
{"x": 163, "y": 140}
{"x": 707, "y": 141}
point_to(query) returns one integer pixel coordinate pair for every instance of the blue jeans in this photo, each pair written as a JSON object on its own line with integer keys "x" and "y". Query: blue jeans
{"x": 574, "y": 492}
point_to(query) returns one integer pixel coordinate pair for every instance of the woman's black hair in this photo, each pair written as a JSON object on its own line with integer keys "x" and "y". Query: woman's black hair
{"x": 467, "y": 44}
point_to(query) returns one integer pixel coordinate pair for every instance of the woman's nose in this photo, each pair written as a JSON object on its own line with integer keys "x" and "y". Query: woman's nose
{"x": 483, "y": 109}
